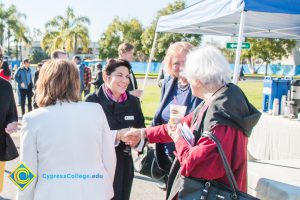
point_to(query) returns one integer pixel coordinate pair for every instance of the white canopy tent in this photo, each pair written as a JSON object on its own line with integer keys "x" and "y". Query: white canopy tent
{"x": 240, "y": 18}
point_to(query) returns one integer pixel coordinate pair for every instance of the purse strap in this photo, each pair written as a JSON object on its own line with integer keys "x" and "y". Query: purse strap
{"x": 228, "y": 170}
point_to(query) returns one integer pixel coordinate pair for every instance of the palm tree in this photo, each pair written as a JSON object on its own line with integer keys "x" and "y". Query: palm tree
{"x": 20, "y": 35}
{"x": 11, "y": 26}
{"x": 66, "y": 32}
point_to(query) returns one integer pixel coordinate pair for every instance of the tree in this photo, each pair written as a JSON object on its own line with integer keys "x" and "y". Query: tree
{"x": 37, "y": 56}
{"x": 66, "y": 32}
{"x": 118, "y": 32}
{"x": 164, "y": 40}
{"x": 21, "y": 36}
{"x": 267, "y": 49}
{"x": 12, "y": 26}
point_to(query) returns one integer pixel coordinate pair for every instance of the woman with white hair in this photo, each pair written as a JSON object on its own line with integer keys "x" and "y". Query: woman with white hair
{"x": 225, "y": 112}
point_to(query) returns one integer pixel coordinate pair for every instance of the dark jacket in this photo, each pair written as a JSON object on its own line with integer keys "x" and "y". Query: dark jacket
{"x": 191, "y": 102}
{"x": 117, "y": 112}
{"x": 119, "y": 116}
{"x": 8, "y": 111}
{"x": 36, "y": 77}
{"x": 132, "y": 81}
{"x": 98, "y": 80}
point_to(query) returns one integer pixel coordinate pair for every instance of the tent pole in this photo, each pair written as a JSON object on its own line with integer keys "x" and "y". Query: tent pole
{"x": 149, "y": 62}
{"x": 238, "y": 50}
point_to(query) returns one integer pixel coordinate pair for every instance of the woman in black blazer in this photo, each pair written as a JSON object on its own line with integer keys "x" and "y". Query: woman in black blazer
{"x": 123, "y": 111}
{"x": 175, "y": 90}
{"x": 8, "y": 120}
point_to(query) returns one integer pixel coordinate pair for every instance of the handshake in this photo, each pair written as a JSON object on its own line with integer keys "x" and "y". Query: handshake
{"x": 130, "y": 136}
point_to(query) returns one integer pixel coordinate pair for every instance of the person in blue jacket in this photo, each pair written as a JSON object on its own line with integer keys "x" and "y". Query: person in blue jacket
{"x": 23, "y": 77}
{"x": 175, "y": 90}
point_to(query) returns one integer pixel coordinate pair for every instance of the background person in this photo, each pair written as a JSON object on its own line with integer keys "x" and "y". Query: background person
{"x": 8, "y": 121}
{"x": 59, "y": 54}
{"x": 57, "y": 138}
{"x": 175, "y": 90}
{"x": 5, "y": 72}
{"x": 36, "y": 73}
{"x": 87, "y": 79}
{"x": 126, "y": 51}
{"x": 161, "y": 75}
{"x": 123, "y": 111}
{"x": 242, "y": 75}
{"x": 77, "y": 61}
{"x": 36, "y": 77}
{"x": 99, "y": 79}
{"x": 24, "y": 79}
{"x": 226, "y": 112}
{"x": 8, "y": 117}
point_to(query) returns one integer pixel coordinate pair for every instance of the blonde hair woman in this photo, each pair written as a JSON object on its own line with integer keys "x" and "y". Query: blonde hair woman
{"x": 66, "y": 143}
{"x": 175, "y": 90}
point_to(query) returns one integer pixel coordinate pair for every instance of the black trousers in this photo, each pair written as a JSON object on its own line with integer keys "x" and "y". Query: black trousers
{"x": 26, "y": 93}
{"x": 123, "y": 176}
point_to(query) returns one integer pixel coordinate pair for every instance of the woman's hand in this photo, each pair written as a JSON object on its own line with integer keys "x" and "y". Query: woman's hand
{"x": 121, "y": 134}
{"x": 12, "y": 127}
{"x": 133, "y": 137}
{"x": 174, "y": 132}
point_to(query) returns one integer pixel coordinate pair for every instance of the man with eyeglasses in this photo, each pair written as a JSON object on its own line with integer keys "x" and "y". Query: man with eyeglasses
{"x": 24, "y": 79}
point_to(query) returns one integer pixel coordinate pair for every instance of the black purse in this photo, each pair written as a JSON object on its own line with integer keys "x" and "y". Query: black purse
{"x": 193, "y": 188}
{"x": 11, "y": 151}
{"x": 146, "y": 164}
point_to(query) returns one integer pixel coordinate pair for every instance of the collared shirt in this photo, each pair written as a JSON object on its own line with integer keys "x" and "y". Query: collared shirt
{"x": 109, "y": 93}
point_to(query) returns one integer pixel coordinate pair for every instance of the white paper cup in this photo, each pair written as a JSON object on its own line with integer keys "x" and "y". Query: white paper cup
{"x": 176, "y": 113}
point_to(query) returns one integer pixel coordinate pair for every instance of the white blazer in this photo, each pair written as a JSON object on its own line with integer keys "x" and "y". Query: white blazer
{"x": 64, "y": 143}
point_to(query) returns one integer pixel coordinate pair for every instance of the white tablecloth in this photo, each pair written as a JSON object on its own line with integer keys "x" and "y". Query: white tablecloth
{"x": 275, "y": 138}
{"x": 274, "y": 180}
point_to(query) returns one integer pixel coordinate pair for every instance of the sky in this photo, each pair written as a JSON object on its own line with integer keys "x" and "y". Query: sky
{"x": 100, "y": 12}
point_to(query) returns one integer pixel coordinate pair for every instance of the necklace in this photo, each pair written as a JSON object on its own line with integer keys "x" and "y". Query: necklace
{"x": 183, "y": 87}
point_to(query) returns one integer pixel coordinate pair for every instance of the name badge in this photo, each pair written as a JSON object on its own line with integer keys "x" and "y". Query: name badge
{"x": 129, "y": 118}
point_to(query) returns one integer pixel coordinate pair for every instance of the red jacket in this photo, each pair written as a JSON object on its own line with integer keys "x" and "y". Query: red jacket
{"x": 203, "y": 160}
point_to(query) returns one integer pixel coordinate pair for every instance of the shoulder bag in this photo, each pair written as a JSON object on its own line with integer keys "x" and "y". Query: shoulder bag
{"x": 146, "y": 164}
{"x": 194, "y": 188}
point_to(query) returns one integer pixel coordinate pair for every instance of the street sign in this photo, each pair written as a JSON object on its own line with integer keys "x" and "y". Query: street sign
{"x": 233, "y": 45}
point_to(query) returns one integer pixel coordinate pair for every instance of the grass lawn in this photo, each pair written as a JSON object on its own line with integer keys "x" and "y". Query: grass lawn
{"x": 252, "y": 89}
